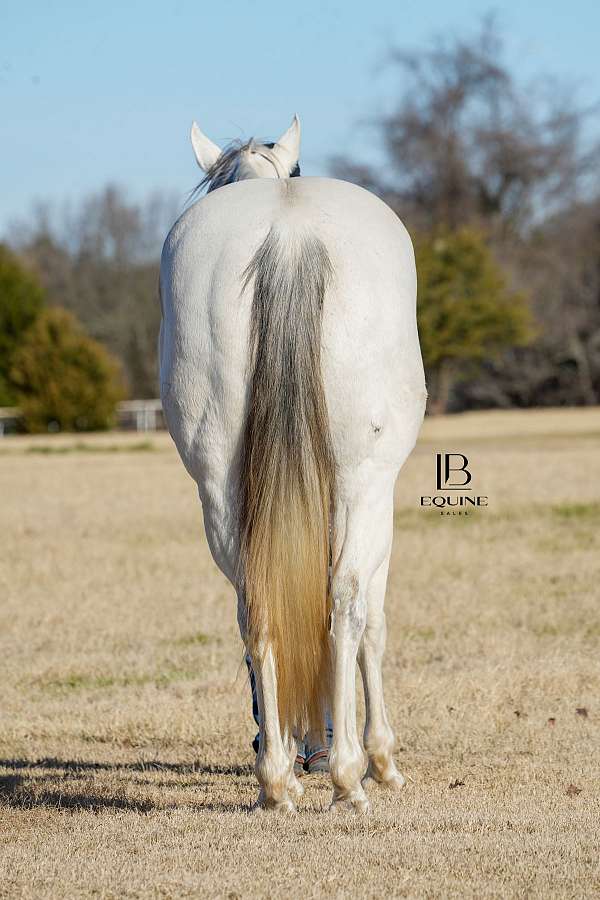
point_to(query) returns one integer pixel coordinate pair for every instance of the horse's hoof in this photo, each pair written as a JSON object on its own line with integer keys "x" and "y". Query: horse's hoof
{"x": 394, "y": 783}
{"x": 295, "y": 787}
{"x": 358, "y": 805}
{"x": 283, "y": 807}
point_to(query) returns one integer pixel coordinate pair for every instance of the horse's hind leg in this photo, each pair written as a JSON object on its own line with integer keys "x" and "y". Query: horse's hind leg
{"x": 274, "y": 761}
{"x": 366, "y": 544}
{"x": 346, "y": 758}
{"x": 378, "y": 736}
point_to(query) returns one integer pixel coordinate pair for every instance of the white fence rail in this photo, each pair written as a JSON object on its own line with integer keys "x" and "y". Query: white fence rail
{"x": 132, "y": 415}
{"x": 144, "y": 415}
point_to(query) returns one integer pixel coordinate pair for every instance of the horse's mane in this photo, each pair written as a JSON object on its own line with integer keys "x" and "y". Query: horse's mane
{"x": 225, "y": 169}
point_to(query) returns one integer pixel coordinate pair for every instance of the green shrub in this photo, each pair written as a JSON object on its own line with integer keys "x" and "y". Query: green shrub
{"x": 21, "y": 301}
{"x": 466, "y": 311}
{"x": 64, "y": 379}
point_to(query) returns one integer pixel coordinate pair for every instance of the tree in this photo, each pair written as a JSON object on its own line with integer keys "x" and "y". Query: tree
{"x": 64, "y": 379}
{"x": 465, "y": 144}
{"x": 21, "y": 300}
{"x": 466, "y": 314}
{"x": 100, "y": 260}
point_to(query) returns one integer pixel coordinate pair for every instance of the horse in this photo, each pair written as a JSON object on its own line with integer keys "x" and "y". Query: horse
{"x": 292, "y": 384}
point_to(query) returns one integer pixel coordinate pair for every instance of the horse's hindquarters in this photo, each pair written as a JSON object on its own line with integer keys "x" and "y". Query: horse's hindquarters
{"x": 373, "y": 385}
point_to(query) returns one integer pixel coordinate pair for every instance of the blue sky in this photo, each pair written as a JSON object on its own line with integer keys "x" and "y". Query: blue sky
{"x": 92, "y": 92}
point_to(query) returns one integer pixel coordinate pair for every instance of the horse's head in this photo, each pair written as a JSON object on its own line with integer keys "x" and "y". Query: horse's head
{"x": 252, "y": 159}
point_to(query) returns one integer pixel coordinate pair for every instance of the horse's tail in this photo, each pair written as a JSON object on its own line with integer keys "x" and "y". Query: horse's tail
{"x": 288, "y": 475}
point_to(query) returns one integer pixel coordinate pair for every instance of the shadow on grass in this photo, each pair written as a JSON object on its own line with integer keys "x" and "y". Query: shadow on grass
{"x": 76, "y": 765}
{"x": 18, "y": 793}
{"x": 23, "y": 787}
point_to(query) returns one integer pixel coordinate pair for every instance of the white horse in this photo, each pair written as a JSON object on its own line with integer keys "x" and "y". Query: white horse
{"x": 292, "y": 383}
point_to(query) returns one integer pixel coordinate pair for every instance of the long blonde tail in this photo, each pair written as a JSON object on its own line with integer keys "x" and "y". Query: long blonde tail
{"x": 288, "y": 475}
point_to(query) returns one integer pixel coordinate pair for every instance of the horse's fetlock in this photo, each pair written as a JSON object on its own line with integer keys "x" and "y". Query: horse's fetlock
{"x": 346, "y": 769}
{"x": 273, "y": 775}
{"x": 379, "y": 743}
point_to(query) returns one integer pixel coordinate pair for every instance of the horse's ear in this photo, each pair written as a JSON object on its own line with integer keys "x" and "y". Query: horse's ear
{"x": 205, "y": 151}
{"x": 287, "y": 147}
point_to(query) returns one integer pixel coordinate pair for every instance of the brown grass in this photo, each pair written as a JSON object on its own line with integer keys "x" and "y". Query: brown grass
{"x": 125, "y": 759}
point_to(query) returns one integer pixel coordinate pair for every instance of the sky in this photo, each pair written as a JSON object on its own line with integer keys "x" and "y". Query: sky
{"x": 104, "y": 92}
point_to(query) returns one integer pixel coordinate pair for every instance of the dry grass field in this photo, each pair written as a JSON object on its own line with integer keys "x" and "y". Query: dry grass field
{"x": 125, "y": 727}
